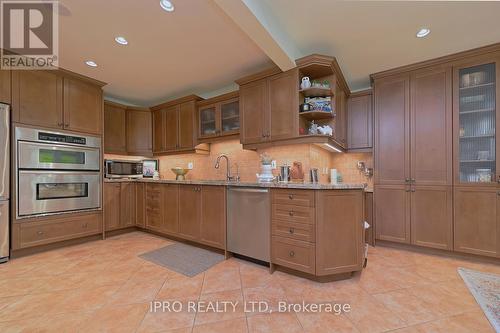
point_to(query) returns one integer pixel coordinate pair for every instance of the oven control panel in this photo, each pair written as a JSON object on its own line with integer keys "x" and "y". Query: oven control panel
{"x": 61, "y": 138}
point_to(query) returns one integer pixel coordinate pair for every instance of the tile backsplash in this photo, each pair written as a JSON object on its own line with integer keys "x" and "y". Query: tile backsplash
{"x": 247, "y": 162}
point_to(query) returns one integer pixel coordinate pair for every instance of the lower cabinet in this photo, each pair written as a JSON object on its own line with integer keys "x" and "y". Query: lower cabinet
{"x": 47, "y": 230}
{"x": 213, "y": 217}
{"x": 432, "y": 216}
{"x": 392, "y": 213}
{"x": 140, "y": 205}
{"x": 420, "y": 215}
{"x": 340, "y": 228}
{"x": 119, "y": 205}
{"x": 369, "y": 233}
{"x": 318, "y": 232}
{"x": 476, "y": 221}
{"x": 192, "y": 212}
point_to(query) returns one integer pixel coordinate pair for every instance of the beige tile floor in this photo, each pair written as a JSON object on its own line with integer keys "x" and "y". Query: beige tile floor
{"x": 103, "y": 286}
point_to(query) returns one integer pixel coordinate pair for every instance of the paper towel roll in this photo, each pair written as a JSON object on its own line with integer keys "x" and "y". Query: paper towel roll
{"x": 333, "y": 176}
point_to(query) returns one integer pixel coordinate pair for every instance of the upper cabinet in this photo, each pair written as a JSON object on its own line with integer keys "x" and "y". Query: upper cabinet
{"x": 219, "y": 117}
{"x": 82, "y": 106}
{"x": 57, "y": 99}
{"x": 115, "y": 117}
{"x": 360, "y": 121}
{"x": 127, "y": 130}
{"x": 276, "y": 108}
{"x": 175, "y": 127}
{"x": 476, "y": 94}
{"x": 5, "y": 89}
{"x": 139, "y": 132}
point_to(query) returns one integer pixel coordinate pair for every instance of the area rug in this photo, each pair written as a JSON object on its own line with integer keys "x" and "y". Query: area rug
{"x": 182, "y": 258}
{"x": 486, "y": 290}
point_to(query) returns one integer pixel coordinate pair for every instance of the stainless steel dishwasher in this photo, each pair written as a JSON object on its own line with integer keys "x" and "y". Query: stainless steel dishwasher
{"x": 249, "y": 222}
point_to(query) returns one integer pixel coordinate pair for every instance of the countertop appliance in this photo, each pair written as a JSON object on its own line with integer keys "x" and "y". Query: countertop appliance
{"x": 4, "y": 181}
{"x": 56, "y": 172}
{"x": 249, "y": 222}
{"x": 123, "y": 169}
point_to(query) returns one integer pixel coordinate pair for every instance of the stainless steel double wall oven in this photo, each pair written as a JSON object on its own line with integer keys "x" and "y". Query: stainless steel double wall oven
{"x": 56, "y": 172}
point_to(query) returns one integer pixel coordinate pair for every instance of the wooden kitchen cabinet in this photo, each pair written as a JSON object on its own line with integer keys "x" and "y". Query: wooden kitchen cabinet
{"x": 154, "y": 206}
{"x": 369, "y": 233}
{"x": 213, "y": 216}
{"x": 392, "y": 213}
{"x": 360, "y": 121}
{"x": 115, "y": 118}
{"x": 171, "y": 128}
{"x": 82, "y": 106}
{"x": 392, "y": 135}
{"x": 5, "y": 86}
{"x": 140, "y": 205}
{"x": 218, "y": 117}
{"x": 57, "y": 99}
{"x": 174, "y": 126}
{"x": 431, "y": 126}
{"x": 190, "y": 211}
{"x": 340, "y": 130}
{"x": 139, "y": 132}
{"x": 339, "y": 231}
{"x": 253, "y": 104}
{"x": 283, "y": 105}
{"x": 37, "y": 98}
{"x": 111, "y": 205}
{"x": 432, "y": 216}
{"x": 127, "y": 204}
{"x": 170, "y": 209}
{"x": 476, "y": 220}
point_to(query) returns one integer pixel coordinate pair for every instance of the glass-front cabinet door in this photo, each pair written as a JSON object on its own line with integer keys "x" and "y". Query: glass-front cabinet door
{"x": 208, "y": 121}
{"x": 230, "y": 117}
{"x": 476, "y": 110}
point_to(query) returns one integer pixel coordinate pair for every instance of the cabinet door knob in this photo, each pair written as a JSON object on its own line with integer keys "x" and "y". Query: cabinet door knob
{"x": 498, "y": 193}
{"x": 413, "y": 180}
{"x": 407, "y": 180}
{"x": 413, "y": 190}
{"x": 291, "y": 213}
{"x": 60, "y": 124}
{"x": 292, "y": 254}
{"x": 290, "y": 196}
{"x": 84, "y": 226}
{"x": 291, "y": 230}
{"x": 40, "y": 232}
{"x": 407, "y": 190}
{"x": 263, "y": 135}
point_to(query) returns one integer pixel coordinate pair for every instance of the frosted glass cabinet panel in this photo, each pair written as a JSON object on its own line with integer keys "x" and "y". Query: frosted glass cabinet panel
{"x": 477, "y": 123}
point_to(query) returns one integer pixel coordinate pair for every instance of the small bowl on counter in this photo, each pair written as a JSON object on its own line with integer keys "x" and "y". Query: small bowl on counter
{"x": 180, "y": 173}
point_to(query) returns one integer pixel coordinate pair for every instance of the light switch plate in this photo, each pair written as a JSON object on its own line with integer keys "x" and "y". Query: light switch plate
{"x": 190, "y": 165}
{"x": 273, "y": 164}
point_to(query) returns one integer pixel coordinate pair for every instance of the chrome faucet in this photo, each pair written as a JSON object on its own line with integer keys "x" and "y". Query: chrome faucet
{"x": 228, "y": 168}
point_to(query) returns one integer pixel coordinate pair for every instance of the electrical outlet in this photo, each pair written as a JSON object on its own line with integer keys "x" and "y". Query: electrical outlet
{"x": 190, "y": 165}
{"x": 273, "y": 164}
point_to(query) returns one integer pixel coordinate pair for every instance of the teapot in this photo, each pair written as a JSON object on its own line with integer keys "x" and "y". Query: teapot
{"x": 306, "y": 83}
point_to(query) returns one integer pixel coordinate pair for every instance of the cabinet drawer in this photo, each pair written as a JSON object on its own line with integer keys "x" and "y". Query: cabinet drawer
{"x": 45, "y": 232}
{"x": 293, "y": 254}
{"x": 293, "y": 197}
{"x": 295, "y": 214}
{"x": 299, "y": 231}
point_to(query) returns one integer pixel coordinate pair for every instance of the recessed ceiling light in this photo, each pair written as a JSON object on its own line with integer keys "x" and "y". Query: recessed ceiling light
{"x": 423, "y": 32}
{"x": 121, "y": 40}
{"x": 90, "y": 63}
{"x": 167, "y": 5}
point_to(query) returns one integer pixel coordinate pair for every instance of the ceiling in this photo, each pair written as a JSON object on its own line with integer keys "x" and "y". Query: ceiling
{"x": 200, "y": 49}
{"x": 371, "y": 36}
{"x": 195, "y": 49}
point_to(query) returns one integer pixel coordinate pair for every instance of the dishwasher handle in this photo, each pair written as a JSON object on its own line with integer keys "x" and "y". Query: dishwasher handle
{"x": 248, "y": 190}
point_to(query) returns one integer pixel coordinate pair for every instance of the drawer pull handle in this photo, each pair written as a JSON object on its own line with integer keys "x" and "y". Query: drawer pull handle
{"x": 292, "y": 254}
{"x": 290, "y": 196}
{"x": 40, "y": 232}
{"x": 291, "y": 213}
{"x": 85, "y": 225}
{"x": 291, "y": 230}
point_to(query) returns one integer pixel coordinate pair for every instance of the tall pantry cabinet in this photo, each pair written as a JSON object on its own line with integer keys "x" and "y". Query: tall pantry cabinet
{"x": 437, "y": 178}
{"x": 413, "y": 157}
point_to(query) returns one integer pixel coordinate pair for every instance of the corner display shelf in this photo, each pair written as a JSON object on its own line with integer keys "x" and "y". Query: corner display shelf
{"x": 316, "y": 92}
{"x": 316, "y": 115}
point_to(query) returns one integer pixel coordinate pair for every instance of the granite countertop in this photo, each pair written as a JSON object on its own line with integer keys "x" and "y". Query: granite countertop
{"x": 310, "y": 186}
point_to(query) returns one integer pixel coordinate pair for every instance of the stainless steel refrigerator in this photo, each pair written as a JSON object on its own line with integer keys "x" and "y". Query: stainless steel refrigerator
{"x": 4, "y": 182}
